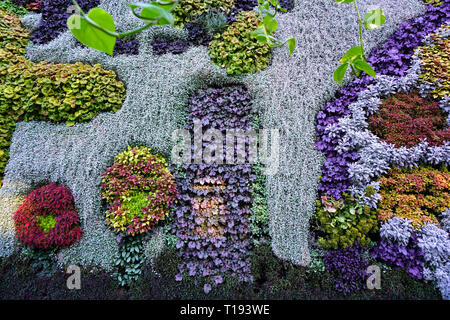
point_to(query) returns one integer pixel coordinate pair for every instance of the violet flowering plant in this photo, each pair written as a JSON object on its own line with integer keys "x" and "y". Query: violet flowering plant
{"x": 349, "y": 266}
{"x": 214, "y": 201}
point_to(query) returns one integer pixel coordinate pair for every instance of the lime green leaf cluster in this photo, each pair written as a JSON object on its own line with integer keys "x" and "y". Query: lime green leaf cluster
{"x": 237, "y": 50}
{"x": 188, "y": 10}
{"x": 46, "y": 223}
{"x": 344, "y": 221}
{"x": 67, "y": 93}
{"x": 435, "y": 64}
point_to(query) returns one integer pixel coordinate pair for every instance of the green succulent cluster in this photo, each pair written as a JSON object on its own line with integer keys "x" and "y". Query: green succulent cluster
{"x": 344, "y": 221}
{"x": 237, "y": 50}
{"x": 67, "y": 93}
{"x": 187, "y": 10}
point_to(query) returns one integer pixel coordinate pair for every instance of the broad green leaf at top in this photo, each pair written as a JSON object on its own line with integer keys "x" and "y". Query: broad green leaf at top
{"x": 352, "y": 54}
{"x": 91, "y": 36}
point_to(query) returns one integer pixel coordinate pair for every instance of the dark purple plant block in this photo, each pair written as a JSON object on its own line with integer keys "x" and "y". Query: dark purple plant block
{"x": 162, "y": 46}
{"x": 54, "y": 18}
{"x": 197, "y": 35}
{"x": 348, "y": 267}
{"x": 224, "y": 245}
{"x": 392, "y": 58}
{"x": 129, "y": 48}
{"x": 409, "y": 258}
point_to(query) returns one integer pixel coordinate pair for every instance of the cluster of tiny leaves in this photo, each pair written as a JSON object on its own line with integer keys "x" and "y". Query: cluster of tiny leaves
{"x": 419, "y": 194}
{"x": 237, "y": 50}
{"x": 139, "y": 189}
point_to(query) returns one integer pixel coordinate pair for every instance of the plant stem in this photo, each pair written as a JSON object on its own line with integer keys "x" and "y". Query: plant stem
{"x": 360, "y": 30}
{"x": 112, "y": 33}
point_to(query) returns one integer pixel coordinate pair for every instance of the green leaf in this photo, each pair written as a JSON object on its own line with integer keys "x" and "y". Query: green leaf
{"x": 365, "y": 67}
{"x": 259, "y": 34}
{"x": 154, "y": 11}
{"x": 343, "y": 1}
{"x": 374, "y": 19}
{"x": 92, "y": 36}
{"x": 352, "y": 54}
{"x": 270, "y": 23}
{"x": 291, "y": 45}
{"x": 339, "y": 73}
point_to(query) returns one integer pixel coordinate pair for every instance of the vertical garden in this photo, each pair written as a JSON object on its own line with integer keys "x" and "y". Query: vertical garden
{"x": 345, "y": 102}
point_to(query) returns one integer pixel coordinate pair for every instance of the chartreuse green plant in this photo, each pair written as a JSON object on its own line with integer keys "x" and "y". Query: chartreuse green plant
{"x": 344, "y": 221}
{"x": 268, "y": 25}
{"x": 355, "y": 57}
{"x": 237, "y": 50}
{"x": 190, "y": 10}
{"x": 96, "y": 29}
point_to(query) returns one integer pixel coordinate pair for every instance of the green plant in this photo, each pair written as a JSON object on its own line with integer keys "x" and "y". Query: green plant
{"x": 355, "y": 57}
{"x": 42, "y": 261}
{"x": 268, "y": 25}
{"x": 12, "y": 7}
{"x": 46, "y": 222}
{"x": 214, "y": 21}
{"x": 97, "y": 29}
{"x": 130, "y": 260}
{"x": 237, "y": 50}
{"x": 47, "y": 91}
{"x": 139, "y": 189}
{"x": 344, "y": 221}
{"x": 189, "y": 10}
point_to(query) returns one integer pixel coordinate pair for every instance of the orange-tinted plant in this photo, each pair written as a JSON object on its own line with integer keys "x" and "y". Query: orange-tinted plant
{"x": 418, "y": 194}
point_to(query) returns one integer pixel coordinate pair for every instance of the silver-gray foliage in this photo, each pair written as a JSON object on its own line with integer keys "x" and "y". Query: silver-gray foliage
{"x": 288, "y": 95}
{"x": 376, "y": 157}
